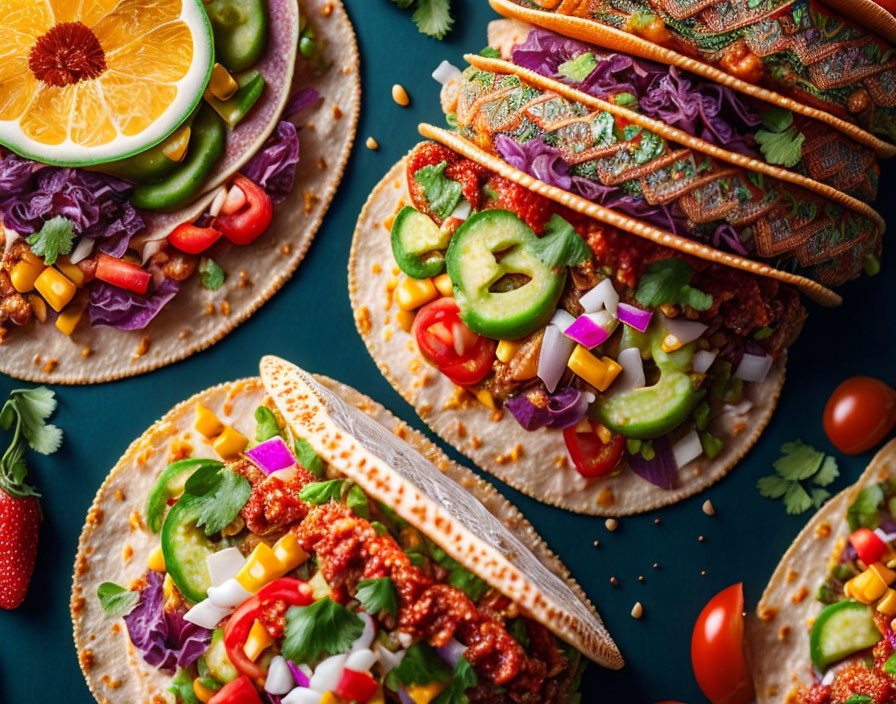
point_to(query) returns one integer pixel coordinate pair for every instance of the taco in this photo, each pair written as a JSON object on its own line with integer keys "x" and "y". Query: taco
{"x": 606, "y": 151}
{"x": 823, "y": 630}
{"x": 114, "y": 268}
{"x": 588, "y": 367}
{"x": 336, "y": 553}
{"x": 802, "y": 55}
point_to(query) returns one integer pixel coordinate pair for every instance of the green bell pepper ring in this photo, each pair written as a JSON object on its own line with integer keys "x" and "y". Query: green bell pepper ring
{"x": 234, "y": 109}
{"x": 208, "y": 141}
{"x": 241, "y": 31}
{"x": 170, "y": 485}
{"x": 418, "y": 244}
{"x": 501, "y": 287}
{"x": 186, "y": 548}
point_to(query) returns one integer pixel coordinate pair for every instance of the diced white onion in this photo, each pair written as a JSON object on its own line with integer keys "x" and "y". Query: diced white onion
{"x": 206, "y": 614}
{"x": 280, "y": 679}
{"x": 361, "y": 660}
{"x": 388, "y": 660}
{"x": 562, "y": 319}
{"x": 703, "y": 360}
{"x": 220, "y": 197}
{"x": 82, "y": 250}
{"x": 687, "y": 449}
{"x": 11, "y": 236}
{"x": 224, "y": 565}
{"x": 754, "y": 367}
{"x": 303, "y": 695}
{"x": 602, "y": 296}
{"x": 405, "y": 639}
{"x": 366, "y": 638}
{"x": 632, "y": 374}
{"x": 738, "y": 409}
{"x": 683, "y": 330}
{"x": 556, "y": 349}
{"x": 828, "y": 678}
{"x": 326, "y": 675}
{"x": 445, "y": 72}
{"x": 228, "y": 595}
{"x": 461, "y": 210}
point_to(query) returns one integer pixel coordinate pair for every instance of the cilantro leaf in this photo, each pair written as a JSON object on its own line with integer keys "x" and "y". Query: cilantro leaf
{"x": 782, "y": 148}
{"x": 317, "y": 493}
{"x": 182, "y": 686}
{"x": 267, "y": 424}
{"x": 798, "y": 461}
{"x": 441, "y": 192}
{"x": 561, "y": 245}
{"x": 322, "y": 628}
{"x": 458, "y": 575}
{"x": 796, "y": 500}
{"x": 819, "y": 496}
{"x": 864, "y": 510}
{"x": 579, "y": 68}
{"x": 626, "y": 100}
{"x": 828, "y": 472}
{"x": 218, "y": 495}
{"x": 890, "y": 665}
{"x": 490, "y": 52}
{"x": 211, "y": 275}
{"x": 55, "y": 238}
{"x": 433, "y": 17}
{"x": 115, "y": 600}
{"x": 356, "y": 500}
{"x": 378, "y": 595}
{"x": 773, "y": 487}
{"x": 464, "y": 678}
{"x": 668, "y": 281}
{"x": 26, "y": 412}
{"x": 777, "y": 119}
{"x": 308, "y": 458}
{"x": 420, "y": 665}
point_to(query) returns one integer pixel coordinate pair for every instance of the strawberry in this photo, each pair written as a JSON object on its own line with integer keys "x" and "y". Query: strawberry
{"x": 19, "y": 521}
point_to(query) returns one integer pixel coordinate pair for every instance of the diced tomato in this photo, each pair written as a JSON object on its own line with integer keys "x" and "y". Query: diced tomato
{"x": 239, "y": 691}
{"x": 191, "y": 239}
{"x": 356, "y": 686}
{"x": 123, "y": 274}
{"x": 869, "y": 547}
{"x": 458, "y": 352}
{"x": 591, "y": 457}
{"x": 245, "y": 225}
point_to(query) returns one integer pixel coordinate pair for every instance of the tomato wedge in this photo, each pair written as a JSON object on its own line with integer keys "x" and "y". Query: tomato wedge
{"x": 590, "y": 455}
{"x": 122, "y": 274}
{"x": 246, "y": 224}
{"x": 240, "y": 691}
{"x": 459, "y": 353}
{"x": 191, "y": 239}
{"x": 356, "y": 686}
{"x": 868, "y": 546}
{"x": 717, "y": 653}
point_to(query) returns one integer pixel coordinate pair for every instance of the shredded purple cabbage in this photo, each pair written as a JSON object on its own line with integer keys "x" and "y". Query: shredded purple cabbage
{"x": 302, "y": 100}
{"x": 114, "y": 307}
{"x": 662, "y": 470}
{"x": 714, "y": 113}
{"x": 97, "y": 204}
{"x": 165, "y": 639}
{"x": 274, "y": 167}
{"x": 566, "y": 407}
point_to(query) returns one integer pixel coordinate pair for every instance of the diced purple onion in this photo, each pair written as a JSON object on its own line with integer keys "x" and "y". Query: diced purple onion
{"x": 687, "y": 448}
{"x": 632, "y": 375}
{"x": 661, "y": 470}
{"x": 452, "y": 651}
{"x": 565, "y": 408}
{"x": 633, "y": 316}
{"x": 703, "y": 360}
{"x": 591, "y": 329}
{"x": 602, "y": 296}
{"x": 754, "y": 367}
{"x": 301, "y": 678}
{"x": 555, "y": 351}
{"x": 684, "y": 331}
{"x": 272, "y": 455}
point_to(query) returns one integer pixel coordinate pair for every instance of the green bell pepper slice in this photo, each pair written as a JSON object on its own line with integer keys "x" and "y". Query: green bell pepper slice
{"x": 170, "y": 485}
{"x": 502, "y": 288}
{"x": 418, "y": 244}
{"x": 234, "y": 109}
{"x": 186, "y": 548}
{"x": 241, "y": 31}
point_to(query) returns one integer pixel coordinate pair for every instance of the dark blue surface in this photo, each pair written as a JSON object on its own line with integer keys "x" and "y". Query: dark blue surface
{"x": 309, "y": 322}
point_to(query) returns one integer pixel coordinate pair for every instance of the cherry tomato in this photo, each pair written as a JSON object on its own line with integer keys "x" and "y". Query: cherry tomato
{"x": 245, "y": 225}
{"x": 356, "y": 686}
{"x": 459, "y": 353}
{"x": 717, "y": 654}
{"x": 191, "y": 239}
{"x": 591, "y": 457}
{"x": 868, "y": 546}
{"x": 126, "y": 275}
{"x": 239, "y": 691}
{"x": 859, "y": 414}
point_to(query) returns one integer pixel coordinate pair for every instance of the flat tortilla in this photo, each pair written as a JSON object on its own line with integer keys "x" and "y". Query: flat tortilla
{"x": 777, "y": 633}
{"x": 535, "y": 463}
{"x": 115, "y": 542}
{"x": 197, "y": 318}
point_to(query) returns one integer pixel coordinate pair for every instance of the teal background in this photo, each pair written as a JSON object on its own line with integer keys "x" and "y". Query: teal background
{"x": 310, "y": 323}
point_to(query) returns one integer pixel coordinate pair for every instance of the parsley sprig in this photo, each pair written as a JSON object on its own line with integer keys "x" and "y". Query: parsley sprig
{"x": 26, "y": 411}
{"x": 432, "y": 17}
{"x": 801, "y": 473}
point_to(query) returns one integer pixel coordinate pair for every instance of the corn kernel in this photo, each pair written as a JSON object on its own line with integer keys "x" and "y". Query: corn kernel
{"x": 506, "y": 350}
{"x": 485, "y": 398}
{"x": 887, "y": 576}
{"x": 330, "y": 698}
{"x": 72, "y": 271}
{"x": 257, "y": 641}
{"x": 175, "y": 147}
{"x": 230, "y": 443}
{"x": 24, "y": 274}
{"x": 887, "y": 605}
{"x": 203, "y": 693}
{"x": 867, "y": 587}
{"x": 443, "y": 285}
{"x": 156, "y": 560}
{"x": 424, "y": 693}
{"x": 221, "y": 84}
{"x": 38, "y": 307}
{"x": 589, "y": 367}
{"x": 30, "y": 257}
{"x": 57, "y": 290}
{"x": 259, "y": 568}
{"x": 671, "y": 343}
{"x": 613, "y": 370}
{"x": 289, "y": 553}
{"x": 405, "y": 319}
{"x": 68, "y": 320}
{"x": 413, "y": 293}
{"x": 604, "y": 433}
{"x": 207, "y": 422}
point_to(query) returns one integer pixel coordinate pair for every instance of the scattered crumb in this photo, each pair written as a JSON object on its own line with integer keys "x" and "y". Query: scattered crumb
{"x": 51, "y": 365}
{"x": 337, "y": 113}
{"x": 611, "y": 524}
{"x": 400, "y": 95}
{"x": 700, "y": 538}
{"x": 637, "y": 610}
{"x": 372, "y": 144}
{"x": 142, "y": 348}
{"x": 597, "y": 543}
{"x": 640, "y": 577}
{"x": 86, "y": 352}
{"x": 656, "y": 521}
{"x": 708, "y": 508}
{"x": 656, "y": 565}
{"x": 614, "y": 581}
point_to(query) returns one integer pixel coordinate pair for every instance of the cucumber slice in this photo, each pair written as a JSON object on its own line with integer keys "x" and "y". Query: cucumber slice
{"x": 418, "y": 244}
{"x": 186, "y": 549}
{"x": 840, "y": 630}
{"x": 170, "y": 485}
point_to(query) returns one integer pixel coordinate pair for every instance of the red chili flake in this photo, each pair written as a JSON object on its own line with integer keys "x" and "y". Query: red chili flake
{"x": 67, "y": 54}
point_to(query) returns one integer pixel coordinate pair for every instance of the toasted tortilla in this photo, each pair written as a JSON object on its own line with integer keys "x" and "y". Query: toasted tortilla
{"x": 115, "y": 542}
{"x": 620, "y": 40}
{"x": 535, "y": 463}
{"x": 197, "y": 318}
{"x": 777, "y": 633}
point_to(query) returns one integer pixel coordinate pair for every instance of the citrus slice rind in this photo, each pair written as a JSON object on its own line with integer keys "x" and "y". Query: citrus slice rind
{"x": 155, "y": 63}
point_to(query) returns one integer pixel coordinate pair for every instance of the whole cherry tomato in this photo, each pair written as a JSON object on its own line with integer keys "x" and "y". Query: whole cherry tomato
{"x": 859, "y": 414}
{"x": 717, "y": 654}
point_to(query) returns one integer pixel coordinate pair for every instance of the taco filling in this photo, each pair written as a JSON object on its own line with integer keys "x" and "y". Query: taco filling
{"x": 628, "y": 348}
{"x": 112, "y": 244}
{"x": 276, "y": 580}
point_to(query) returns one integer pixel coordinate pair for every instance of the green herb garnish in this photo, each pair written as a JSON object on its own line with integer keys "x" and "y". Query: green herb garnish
{"x": 211, "y": 275}
{"x": 115, "y": 600}
{"x": 801, "y": 472}
{"x": 441, "y": 192}
{"x": 322, "y": 628}
{"x": 668, "y": 281}
{"x": 378, "y": 595}
{"x": 54, "y": 239}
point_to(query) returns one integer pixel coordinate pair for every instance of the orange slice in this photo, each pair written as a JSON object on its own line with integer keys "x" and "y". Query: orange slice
{"x": 89, "y": 81}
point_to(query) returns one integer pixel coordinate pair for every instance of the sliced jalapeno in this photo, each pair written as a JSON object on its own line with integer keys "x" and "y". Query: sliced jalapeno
{"x": 186, "y": 548}
{"x": 241, "y": 31}
{"x": 418, "y": 244}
